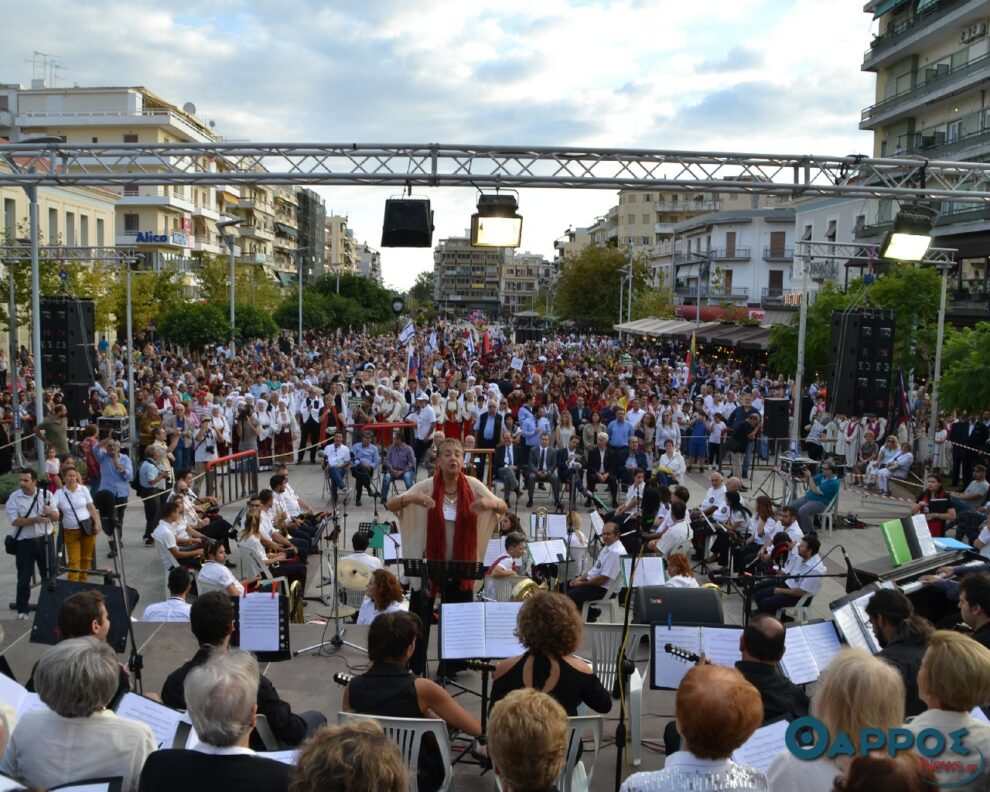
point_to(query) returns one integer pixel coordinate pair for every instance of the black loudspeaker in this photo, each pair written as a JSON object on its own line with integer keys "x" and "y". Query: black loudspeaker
{"x": 408, "y": 223}
{"x": 68, "y": 348}
{"x": 843, "y": 359}
{"x": 653, "y": 604}
{"x": 46, "y": 618}
{"x": 75, "y": 396}
{"x": 860, "y": 365}
{"x": 776, "y": 418}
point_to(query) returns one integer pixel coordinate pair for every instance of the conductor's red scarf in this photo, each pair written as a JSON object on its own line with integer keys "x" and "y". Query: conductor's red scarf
{"x": 465, "y": 527}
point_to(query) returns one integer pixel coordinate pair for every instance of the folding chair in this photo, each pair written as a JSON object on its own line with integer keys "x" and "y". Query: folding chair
{"x": 408, "y": 735}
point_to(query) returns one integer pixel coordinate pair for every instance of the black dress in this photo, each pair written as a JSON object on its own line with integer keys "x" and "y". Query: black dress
{"x": 573, "y": 688}
{"x": 390, "y": 691}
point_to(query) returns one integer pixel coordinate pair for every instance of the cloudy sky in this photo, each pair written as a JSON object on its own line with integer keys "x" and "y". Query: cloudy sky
{"x": 774, "y": 76}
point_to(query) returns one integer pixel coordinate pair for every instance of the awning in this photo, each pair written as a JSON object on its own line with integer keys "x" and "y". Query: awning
{"x": 758, "y": 340}
{"x": 687, "y": 270}
{"x": 923, "y": 4}
{"x": 886, "y": 6}
{"x": 286, "y": 230}
{"x": 967, "y": 245}
{"x": 726, "y": 334}
{"x": 285, "y": 278}
{"x": 686, "y": 329}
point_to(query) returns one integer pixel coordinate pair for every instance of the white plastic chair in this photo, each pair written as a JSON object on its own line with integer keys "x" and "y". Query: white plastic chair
{"x": 265, "y": 733}
{"x": 606, "y": 640}
{"x": 168, "y": 561}
{"x": 800, "y": 611}
{"x": 607, "y": 602}
{"x": 408, "y": 735}
{"x": 204, "y": 586}
{"x": 827, "y": 518}
{"x": 575, "y": 777}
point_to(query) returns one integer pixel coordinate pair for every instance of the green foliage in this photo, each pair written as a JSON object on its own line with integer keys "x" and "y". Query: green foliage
{"x": 195, "y": 325}
{"x": 965, "y": 386}
{"x": 213, "y": 274}
{"x": 783, "y": 338}
{"x": 371, "y": 302}
{"x": 252, "y": 322}
{"x": 8, "y": 483}
{"x": 588, "y": 288}
{"x": 912, "y": 293}
{"x": 422, "y": 289}
{"x": 315, "y": 314}
{"x": 652, "y": 302}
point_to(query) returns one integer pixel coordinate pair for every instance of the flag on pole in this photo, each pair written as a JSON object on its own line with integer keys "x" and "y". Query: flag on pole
{"x": 486, "y": 344}
{"x": 411, "y": 362}
{"x": 692, "y": 360}
{"x": 903, "y": 403}
{"x": 432, "y": 344}
{"x": 470, "y": 344}
{"x": 407, "y": 332}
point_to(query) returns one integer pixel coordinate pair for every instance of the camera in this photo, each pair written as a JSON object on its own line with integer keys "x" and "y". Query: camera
{"x": 796, "y": 466}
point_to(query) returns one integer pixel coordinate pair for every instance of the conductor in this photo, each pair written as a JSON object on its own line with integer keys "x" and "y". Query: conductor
{"x": 449, "y": 517}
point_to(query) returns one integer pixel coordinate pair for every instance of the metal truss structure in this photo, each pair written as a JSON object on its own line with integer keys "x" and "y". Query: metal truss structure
{"x": 868, "y": 254}
{"x": 489, "y": 167}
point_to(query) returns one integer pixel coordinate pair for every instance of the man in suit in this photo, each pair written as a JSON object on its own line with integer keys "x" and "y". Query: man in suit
{"x": 629, "y": 460}
{"x": 978, "y": 436}
{"x": 580, "y": 414}
{"x": 508, "y": 459}
{"x": 487, "y": 433}
{"x": 601, "y": 462}
{"x": 223, "y": 707}
{"x": 959, "y": 437}
{"x": 310, "y": 411}
{"x": 212, "y": 621}
{"x": 570, "y": 463}
{"x": 543, "y": 467}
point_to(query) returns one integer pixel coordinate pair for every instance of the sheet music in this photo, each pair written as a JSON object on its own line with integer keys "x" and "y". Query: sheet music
{"x": 285, "y": 757}
{"x": 493, "y": 551}
{"x": 557, "y": 526}
{"x": 463, "y": 630}
{"x": 845, "y": 617}
{"x": 924, "y": 534}
{"x": 392, "y": 547}
{"x": 500, "y": 627}
{"x": 9, "y": 784}
{"x": 597, "y": 523}
{"x": 762, "y": 747}
{"x": 721, "y": 645}
{"x": 649, "y": 571}
{"x": 798, "y": 662}
{"x": 549, "y": 552}
{"x": 259, "y": 617}
{"x": 668, "y": 671}
{"x": 94, "y": 786}
{"x": 162, "y": 720}
{"x": 824, "y": 642}
{"x": 17, "y": 697}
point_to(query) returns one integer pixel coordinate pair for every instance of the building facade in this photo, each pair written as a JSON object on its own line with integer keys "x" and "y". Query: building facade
{"x": 341, "y": 253}
{"x": 312, "y": 234}
{"x": 467, "y": 278}
{"x": 527, "y": 279}
{"x": 369, "y": 263}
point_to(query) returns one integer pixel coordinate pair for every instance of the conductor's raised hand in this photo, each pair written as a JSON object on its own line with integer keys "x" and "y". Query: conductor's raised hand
{"x": 420, "y": 499}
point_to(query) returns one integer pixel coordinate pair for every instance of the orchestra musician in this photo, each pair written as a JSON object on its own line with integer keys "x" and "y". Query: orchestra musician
{"x": 447, "y": 517}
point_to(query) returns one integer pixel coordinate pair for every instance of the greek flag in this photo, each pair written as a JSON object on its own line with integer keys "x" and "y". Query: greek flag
{"x": 432, "y": 344}
{"x": 407, "y": 332}
{"x": 470, "y": 344}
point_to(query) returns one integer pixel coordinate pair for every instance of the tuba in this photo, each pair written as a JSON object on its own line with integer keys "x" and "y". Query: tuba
{"x": 526, "y": 588}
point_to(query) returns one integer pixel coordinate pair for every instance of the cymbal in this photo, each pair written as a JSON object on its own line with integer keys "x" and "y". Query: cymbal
{"x": 353, "y": 575}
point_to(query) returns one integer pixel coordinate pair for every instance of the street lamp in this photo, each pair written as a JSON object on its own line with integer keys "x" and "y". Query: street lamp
{"x": 936, "y": 379}
{"x": 398, "y": 306}
{"x": 228, "y": 240}
{"x": 299, "y": 277}
{"x": 624, "y": 273}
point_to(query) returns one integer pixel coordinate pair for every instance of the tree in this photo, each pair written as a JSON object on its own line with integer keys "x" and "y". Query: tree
{"x": 153, "y": 295}
{"x": 213, "y": 274}
{"x": 422, "y": 288}
{"x": 965, "y": 386}
{"x": 912, "y": 293}
{"x": 374, "y": 302}
{"x": 784, "y": 338}
{"x": 588, "y": 287}
{"x": 195, "y": 325}
{"x": 315, "y": 313}
{"x": 653, "y": 302}
{"x": 252, "y": 322}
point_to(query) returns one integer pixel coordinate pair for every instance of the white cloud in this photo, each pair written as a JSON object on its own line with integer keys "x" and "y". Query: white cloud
{"x": 733, "y": 75}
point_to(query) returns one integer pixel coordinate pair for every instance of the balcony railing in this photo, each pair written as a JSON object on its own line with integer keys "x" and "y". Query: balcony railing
{"x": 899, "y": 30}
{"x": 873, "y": 230}
{"x": 778, "y": 254}
{"x": 823, "y": 270}
{"x": 942, "y": 76}
{"x": 687, "y": 206}
{"x": 729, "y": 254}
{"x": 780, "y": 297}
{"x": 728, "y": 295}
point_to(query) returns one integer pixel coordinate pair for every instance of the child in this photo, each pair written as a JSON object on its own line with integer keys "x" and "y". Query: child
{"x": 53, "y": 467}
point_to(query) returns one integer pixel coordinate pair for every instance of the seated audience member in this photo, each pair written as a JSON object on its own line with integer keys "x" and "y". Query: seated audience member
{"x": 676, "y": 537}
{"x": 400, "y": 463}
{"x": 76, "y": 737}
{"x": 390, "y": 689}
{"x": 903, "y": 636}
{"x": 679, "y": 573}
{"x": 356, "y": 757}
{"x": 175, "y": 608}
{"x": 549, "y": 627}
{"x": 223, "y": 707}
{"x": 974, "y": 605}
{"x": 528, "y": 745}
{"x": 509, "y": 523}
{"x": 360, "y": 542}
{"x": 934, "y": 491}
{"x": 953, "y": 681}
{"x": 167, "y": 534}
{"x": 593, "y": 584}
{"x": 897, "y": 467}
{"x": 253, "y": 540}
{"x": 905, "y": 772}
{"x": 856, "y": 692}
{"x": 510, "y": 564}
{"x": 383, "y": 595}
{"x": 717, "y": 710}
{"x": 211, "y": 619}
{"x": 822, "y": 488}
{"x": 216, "y": 573}
{"x": 762, "y": 646}
{"x": 798, "y": 579}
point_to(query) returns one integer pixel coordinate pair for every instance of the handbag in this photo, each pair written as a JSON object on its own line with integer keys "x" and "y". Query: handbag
{"x": 10, "y": 542}
{"x": 87, "y": 526}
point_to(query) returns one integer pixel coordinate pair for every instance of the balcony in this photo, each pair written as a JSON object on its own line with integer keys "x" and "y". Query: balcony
{"x": 943, "y": 80}
{"x": 154, "y": 117}
{"x": 253, "y": 258}
{"x": 256, "y": 232}
{"x": 823, "y": 270}
{"x": 872, "y": 231}
{"x": 204, "y": 210}
{"x": 728, "y": 295}
{"x": 688, "y": 206}
{"x": 206, "y": 243}
{"x": 899, "y": 31}
{"x": 778, "y": 254}
{"x": 958, "y": 213}
{"x": 163, "y": 201}
{"x": 729, "y": 254}
{"x": 780, "y": 297}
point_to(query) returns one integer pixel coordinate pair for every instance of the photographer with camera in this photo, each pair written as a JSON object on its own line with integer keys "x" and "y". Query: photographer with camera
{"x": 152, "y": 480}
{"x": 822, "y": 488}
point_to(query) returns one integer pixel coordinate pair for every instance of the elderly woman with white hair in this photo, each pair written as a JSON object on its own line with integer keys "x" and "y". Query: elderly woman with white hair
{"x": 222, "y": 700}
{"x": 77, "y": 737}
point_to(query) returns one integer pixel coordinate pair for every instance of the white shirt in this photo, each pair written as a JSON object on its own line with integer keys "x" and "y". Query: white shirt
{"x": 337, "y": 455}
{"x": 19, "y": 505}
{"x": 673, "y": 463}
{"x": 66, "y": 502}
{"x": 367, "y": 559}
{"x": 634, "y": 497}
{"x": 714, "y": 497}
{"x": 425, "y": 421}
{"x": 608, "y": 563}
{"x": 291, "y": 501}
{"x": 813, "y": 566}
{"x": 673, "y": 537}
{"x": 174, "y": 609}
{"x": 985, "y": 538}
{"x": 266, "y": 522}
{"x": 165, "y": 533}
{"x": 219, "y": 575}
{"x": 681, "y": 581}
{"x": 367, "y": 613}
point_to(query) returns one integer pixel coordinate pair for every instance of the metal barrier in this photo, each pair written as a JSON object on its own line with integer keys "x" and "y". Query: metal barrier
{"x": 233, "y": 477}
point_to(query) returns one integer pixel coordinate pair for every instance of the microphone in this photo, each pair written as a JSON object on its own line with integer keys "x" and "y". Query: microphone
{"x": 853, "y": 583}
{"x": 343, "y": 679}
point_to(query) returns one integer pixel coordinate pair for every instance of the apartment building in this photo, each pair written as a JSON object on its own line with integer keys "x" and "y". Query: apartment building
{"x": 524, "y": 277}
{"x": 312, "y": 233}
{"x": 369, "y": 263}
{"x": 286, "y": 240}
{"x": 570, "y": 244}
{"x": 341, "y": 249}
{"x": 467, "y": 278}
{"x": 932, "y": 62}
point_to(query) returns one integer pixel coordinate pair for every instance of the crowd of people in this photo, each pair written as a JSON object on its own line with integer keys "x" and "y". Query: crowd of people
{"x": 617, "y": 428}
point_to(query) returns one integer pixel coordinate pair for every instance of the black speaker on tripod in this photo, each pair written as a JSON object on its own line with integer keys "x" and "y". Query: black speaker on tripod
{"x": 68, "y": 342}
{"x": 776, "y": 418}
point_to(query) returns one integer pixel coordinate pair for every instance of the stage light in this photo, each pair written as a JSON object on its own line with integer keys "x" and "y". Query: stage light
{"x": 497, "y": 222}
{"x": 911, "y": 235}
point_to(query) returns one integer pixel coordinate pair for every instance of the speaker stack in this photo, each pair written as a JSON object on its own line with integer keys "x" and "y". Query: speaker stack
{"x": 68, "y": 350}
{"x": 861, "y": 354}
{"x": 408, "y": 223}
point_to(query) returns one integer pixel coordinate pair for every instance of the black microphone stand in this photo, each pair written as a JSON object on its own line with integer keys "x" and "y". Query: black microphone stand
{"x": 135, "y": 662}
{"x": 620, "y": 728}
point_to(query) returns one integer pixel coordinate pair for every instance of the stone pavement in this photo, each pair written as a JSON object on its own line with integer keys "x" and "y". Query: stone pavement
{"x": 306, "y": 681}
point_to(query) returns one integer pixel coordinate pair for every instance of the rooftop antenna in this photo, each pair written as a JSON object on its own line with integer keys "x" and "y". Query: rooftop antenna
{"x": 44, "y": 66}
